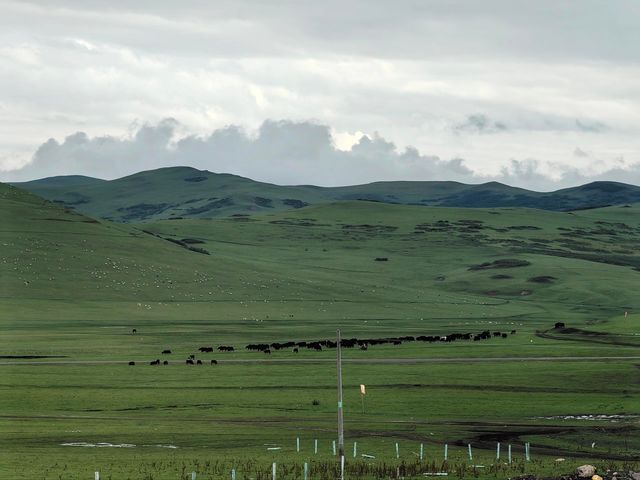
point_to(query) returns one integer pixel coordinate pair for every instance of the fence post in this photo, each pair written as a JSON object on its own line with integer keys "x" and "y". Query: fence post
{"x": 470, "y": 454}
{"x": 397, "y": 450}
{"x": 421, "y": 451}
{"x": 315, "y": 446}
{"x": 334, "y": 448}
{"x": 298, "y": 444}
{"x": 446, "y": 452}
{"x": 193, "y": 475}
{"x": 498, "y": 451}
{"x": 306, "y": 470}
{"x": 233, "y": 474}
{"x": 355, "y": 449}
{"x": 528, "y": 451}
{"x": 97, "y": 475}
{"x": 273, "y": 471}
{"x": 509, "y": 453}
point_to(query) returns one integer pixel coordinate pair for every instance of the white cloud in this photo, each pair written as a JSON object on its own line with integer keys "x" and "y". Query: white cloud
{"x": 287, "y": 152}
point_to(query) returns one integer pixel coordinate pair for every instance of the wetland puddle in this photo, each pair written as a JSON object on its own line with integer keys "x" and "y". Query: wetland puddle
{"x": 112, "y": 445}
{"x": 591, "y": 417}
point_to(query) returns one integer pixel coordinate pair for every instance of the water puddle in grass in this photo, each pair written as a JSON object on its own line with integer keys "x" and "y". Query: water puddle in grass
{"x": 99, "y": 445}
{"x": 111, "y": 445}
{"x": 591, "y": 417}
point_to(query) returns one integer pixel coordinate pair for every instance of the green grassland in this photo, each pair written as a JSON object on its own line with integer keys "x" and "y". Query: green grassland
{"x": 72, "y": 289}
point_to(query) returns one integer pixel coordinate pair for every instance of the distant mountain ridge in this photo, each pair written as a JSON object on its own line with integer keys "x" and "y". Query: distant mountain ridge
{"x": 185, "y": 192}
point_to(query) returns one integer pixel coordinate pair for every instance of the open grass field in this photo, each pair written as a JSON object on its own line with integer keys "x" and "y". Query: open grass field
{"x": 73, "y": 288}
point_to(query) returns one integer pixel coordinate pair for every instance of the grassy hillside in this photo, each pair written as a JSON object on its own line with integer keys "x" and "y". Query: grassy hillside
{"x": 73, "y": 288}
{"x": 182, "y": 192}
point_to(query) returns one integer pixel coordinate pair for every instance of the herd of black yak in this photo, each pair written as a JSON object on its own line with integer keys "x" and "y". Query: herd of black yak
{"x": 361, "y": 343}
{"x": 365, "y": 343}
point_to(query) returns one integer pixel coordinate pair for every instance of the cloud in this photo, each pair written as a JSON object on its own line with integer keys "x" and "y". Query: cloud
{"x": 590, "y": 126}
{"x": 578, "y": 152}
{"x": 480, "y": 123}
{"x": 288, "y": 152}
{"x": 278, "y": 151}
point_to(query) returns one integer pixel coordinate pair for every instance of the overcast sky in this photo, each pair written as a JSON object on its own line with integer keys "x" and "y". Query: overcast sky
{"x": 540, "y": 94}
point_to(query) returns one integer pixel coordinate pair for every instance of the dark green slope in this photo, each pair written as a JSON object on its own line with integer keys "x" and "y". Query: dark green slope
{"x": 184, "y": 192}
{"x": 173, "y": 192}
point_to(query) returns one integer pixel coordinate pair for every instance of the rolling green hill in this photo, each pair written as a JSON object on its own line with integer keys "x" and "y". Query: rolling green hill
{"x": 72, "y": 289}
{"x": 189, "y": 193}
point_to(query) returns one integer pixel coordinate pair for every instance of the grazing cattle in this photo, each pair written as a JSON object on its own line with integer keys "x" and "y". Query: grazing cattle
{"x": 192, "y": 357}
{"x": 166, "y": 352}
{"x": 559, "y": 325}
{"x": 364, "y": 343}
{"x": 189, "y": 361}
{"x": 348, "y": 342}
{"x": 513, "y": 332}
{"x": 199, "y": 362}
{"x": 165, "y": 363}
{"x": 155, "y": 362}
{"x": 214, "y": 362}
{"x": 134, "y": 331}
{"x": 224, "y": 348}
{"x": 206, "y": 349}
{"x": 132, "y": 363}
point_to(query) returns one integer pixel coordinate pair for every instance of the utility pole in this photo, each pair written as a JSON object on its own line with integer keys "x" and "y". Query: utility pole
{"x": 340, "y": 415}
